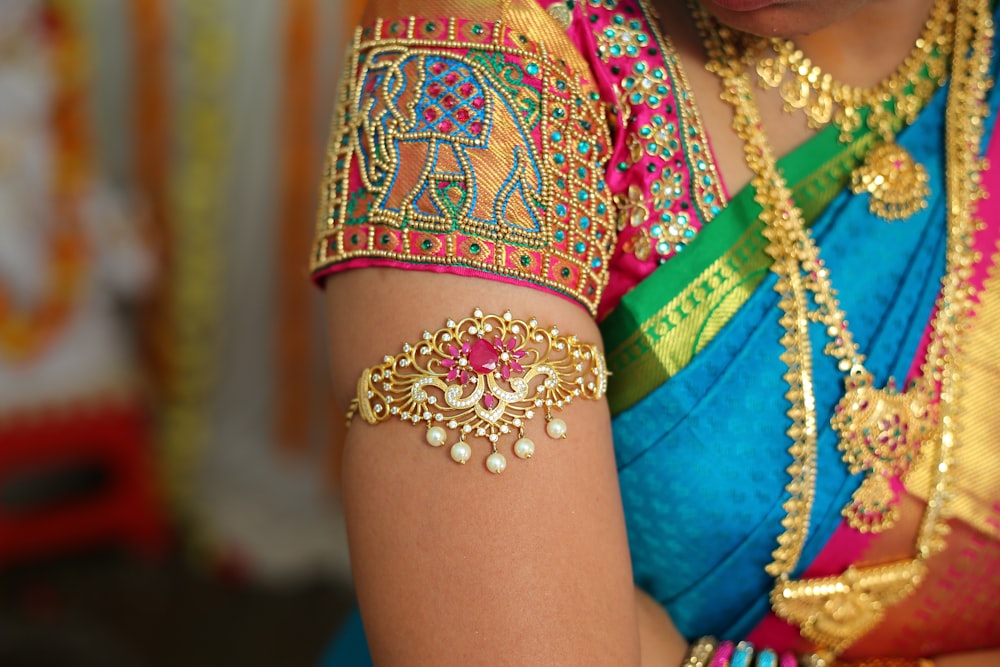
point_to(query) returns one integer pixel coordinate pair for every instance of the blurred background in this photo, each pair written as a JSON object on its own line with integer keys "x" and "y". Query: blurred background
{"x": 167, "y": 490}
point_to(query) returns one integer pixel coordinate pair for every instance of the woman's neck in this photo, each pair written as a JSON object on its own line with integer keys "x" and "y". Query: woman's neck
{"x": 870, "y": 44}
{"x": 861, "y": 50}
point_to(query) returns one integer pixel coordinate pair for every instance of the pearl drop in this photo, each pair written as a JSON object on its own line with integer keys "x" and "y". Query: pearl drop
{"x": 524, "y": 448}
{"x": 436, "y": 436}
{"x": 496, "y": 463}
{"x": 556, "y": 428}
{"x": 461, "y": 452}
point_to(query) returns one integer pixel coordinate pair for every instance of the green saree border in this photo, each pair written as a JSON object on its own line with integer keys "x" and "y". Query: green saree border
{"x": 662, "y": 323}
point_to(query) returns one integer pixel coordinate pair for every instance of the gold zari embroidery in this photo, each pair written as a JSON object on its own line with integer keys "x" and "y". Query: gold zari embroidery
{"x": 666, "y": 342}
{"x": 484, "y": 376}
{"x": 465, "y": 144}
{"x": 979, "y": 486}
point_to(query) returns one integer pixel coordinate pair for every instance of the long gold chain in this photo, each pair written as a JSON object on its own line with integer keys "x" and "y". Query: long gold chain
{"x": 896, "y": 183}
{"x": 836, "y": 611}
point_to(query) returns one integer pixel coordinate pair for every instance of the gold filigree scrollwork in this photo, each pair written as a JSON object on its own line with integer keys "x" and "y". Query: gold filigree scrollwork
{"x": 484, "y": 377}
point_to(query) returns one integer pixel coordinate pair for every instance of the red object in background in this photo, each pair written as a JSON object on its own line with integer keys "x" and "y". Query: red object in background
{"x": 78, "y": 478}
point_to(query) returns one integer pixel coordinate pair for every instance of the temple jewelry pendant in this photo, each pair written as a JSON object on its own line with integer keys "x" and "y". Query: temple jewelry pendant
{"x": 897, "y": 183}
{"x": 880, "y": 433}
{"x": 872, "y": 508}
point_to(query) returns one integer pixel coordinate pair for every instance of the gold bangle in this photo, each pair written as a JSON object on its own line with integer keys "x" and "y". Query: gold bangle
{"x": 700, "y": 652}
{"x": 484, "y": 376}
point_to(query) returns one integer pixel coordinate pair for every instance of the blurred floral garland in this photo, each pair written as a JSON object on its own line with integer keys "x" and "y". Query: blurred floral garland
{"x": 196, "y": 208}
{"x": 26, "y": 329}
{"x": 183, "y": 55}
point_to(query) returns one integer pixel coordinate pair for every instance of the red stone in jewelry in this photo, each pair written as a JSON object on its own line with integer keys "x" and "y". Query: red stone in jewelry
{"x": 483, "y": 357}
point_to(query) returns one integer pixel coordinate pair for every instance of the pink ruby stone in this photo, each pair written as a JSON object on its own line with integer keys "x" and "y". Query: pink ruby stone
{"x": 445, "y": 126}
{"x": 490, "y": 401}
{"x": 483, "y": 358}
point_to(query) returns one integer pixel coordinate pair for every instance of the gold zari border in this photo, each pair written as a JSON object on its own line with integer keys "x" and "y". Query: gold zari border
{"x": 666, "y": 342}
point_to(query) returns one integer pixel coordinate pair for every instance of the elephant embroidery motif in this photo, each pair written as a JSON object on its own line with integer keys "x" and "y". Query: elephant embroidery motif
{"x": 468, "y": 147}
{"x": 442, "y": 148}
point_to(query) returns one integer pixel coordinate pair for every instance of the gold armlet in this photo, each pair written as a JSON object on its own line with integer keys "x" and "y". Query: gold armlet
{"x": 485, "y": 377}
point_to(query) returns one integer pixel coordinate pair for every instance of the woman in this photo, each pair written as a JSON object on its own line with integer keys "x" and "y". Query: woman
{"x": 762, "y": 233}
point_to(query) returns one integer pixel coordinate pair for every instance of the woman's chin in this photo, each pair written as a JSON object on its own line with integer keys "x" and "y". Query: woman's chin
{"x": 776, "y": 18}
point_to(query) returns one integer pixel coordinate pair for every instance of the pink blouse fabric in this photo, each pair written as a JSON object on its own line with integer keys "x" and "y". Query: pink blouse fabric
{"x": 554, "y": 146}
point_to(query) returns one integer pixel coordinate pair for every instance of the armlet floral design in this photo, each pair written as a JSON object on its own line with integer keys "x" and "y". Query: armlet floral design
{"x": 484, "y": 376}
{"x": 464, "y": 146}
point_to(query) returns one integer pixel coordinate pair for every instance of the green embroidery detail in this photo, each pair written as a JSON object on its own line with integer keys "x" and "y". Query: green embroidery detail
{"x": 452, "y": 198}
{"x": 354, "y": 200}
{"x": 525, "y": 98}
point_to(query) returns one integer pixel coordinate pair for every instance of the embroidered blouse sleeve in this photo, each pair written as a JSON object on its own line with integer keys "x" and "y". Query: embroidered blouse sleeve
{"x": 467, "y": 146}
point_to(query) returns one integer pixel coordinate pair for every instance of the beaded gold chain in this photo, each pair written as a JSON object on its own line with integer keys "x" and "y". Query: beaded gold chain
{"x": 836, "y": 611}
{"x": 896, "y": 183}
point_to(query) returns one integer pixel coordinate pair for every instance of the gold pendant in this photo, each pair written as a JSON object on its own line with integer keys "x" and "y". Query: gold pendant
{"x": 879, "y": 431}
{"x": 837, "y": 611}
{"x": 872, "y": 508}
{"x": 897, "y": 183}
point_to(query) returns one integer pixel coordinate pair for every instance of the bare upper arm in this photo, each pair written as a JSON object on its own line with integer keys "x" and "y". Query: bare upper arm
{"x": 454, "y": 565}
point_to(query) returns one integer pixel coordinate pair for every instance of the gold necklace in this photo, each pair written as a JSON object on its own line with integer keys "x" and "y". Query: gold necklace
{"x": 897, "y": 184}
{"x": 834, "y": 612}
